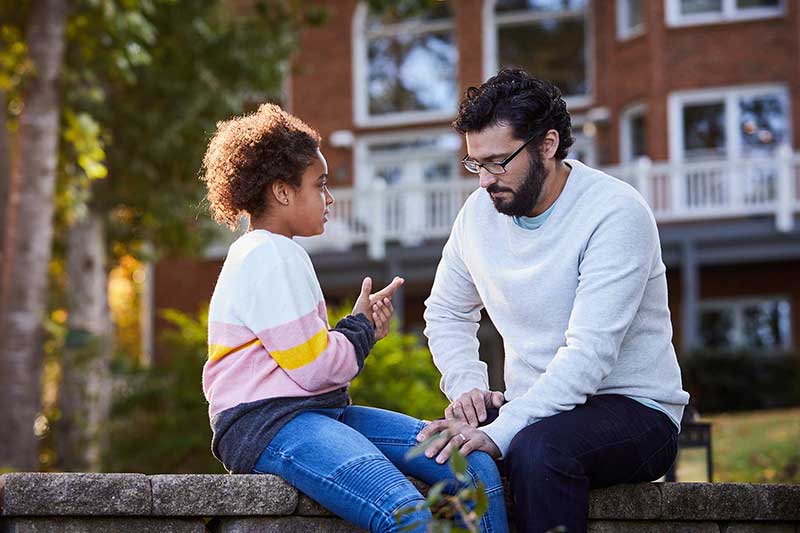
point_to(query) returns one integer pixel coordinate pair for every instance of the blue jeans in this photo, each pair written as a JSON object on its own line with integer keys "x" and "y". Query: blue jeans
{"x": 352, "y": 460}
{"x": 553, "y": 463}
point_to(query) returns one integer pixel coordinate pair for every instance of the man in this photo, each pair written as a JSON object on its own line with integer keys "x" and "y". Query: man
{"x": 567, "y": 262}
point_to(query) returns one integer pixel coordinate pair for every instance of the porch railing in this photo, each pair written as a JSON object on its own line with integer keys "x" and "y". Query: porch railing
{"x": 685, "y": 191}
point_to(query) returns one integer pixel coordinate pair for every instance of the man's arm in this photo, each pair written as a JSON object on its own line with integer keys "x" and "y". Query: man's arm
{"x": 612, "y": 276}
{"x": 452, "y": 314}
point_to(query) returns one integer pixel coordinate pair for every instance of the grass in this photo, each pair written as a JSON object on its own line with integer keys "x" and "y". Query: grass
{"x": 752, "y": 447}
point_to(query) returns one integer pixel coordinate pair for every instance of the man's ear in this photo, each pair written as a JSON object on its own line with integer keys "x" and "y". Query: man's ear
{"x": 550, "y": 144}
{"x": 280, "y": 191}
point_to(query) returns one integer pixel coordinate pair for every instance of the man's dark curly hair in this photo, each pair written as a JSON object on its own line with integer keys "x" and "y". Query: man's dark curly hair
{"x": 250, "y": 152}
{"x": 529, "y": 105}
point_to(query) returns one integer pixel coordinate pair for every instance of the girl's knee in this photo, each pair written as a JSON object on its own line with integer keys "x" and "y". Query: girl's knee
{"x": 482, "y": 467}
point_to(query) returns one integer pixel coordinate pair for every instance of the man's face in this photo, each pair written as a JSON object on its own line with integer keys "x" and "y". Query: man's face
{"x": 516, "y": 192}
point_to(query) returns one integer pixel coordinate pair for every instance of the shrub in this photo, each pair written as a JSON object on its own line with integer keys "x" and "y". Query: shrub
{"x": 737, "y": 381}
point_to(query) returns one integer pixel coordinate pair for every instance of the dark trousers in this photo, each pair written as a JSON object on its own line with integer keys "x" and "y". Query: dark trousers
{"x": 552, "y": 464}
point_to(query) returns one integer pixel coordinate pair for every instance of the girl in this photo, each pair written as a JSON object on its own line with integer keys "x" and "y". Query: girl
{"x": 276, "y": 377}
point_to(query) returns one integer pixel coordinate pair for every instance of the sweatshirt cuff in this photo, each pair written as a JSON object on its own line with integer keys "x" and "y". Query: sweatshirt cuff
{"x": 503, "y": 430}
{"x": 464, "y": 383}
{"x": 361, "y": 334}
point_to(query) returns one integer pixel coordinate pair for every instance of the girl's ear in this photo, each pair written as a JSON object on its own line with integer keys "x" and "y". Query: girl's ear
{"x": 280, "y": 191}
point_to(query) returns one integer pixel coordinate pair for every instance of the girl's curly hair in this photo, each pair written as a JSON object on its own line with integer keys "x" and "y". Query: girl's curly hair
{"x": 250, "y": 152}
{"x": 531, "y": 106}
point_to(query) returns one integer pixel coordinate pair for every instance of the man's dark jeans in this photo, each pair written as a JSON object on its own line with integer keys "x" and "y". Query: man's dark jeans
{"x": 553, "y": 463}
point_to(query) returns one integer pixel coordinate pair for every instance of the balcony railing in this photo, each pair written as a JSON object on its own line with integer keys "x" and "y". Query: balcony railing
{"x": 687, "y": 191}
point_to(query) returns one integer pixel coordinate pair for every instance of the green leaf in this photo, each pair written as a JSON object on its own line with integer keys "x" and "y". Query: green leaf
{"x": 481, "y": 500}
{"x": 458, "y": 464}
{"x": 435, "y": 492}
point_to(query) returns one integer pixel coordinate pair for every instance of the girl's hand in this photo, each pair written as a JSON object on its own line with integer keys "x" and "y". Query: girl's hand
{"x": 382, "y": 311}
{"x": 366, "y": 300}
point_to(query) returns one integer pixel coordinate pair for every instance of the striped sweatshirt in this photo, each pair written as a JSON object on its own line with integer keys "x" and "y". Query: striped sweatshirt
{"x": 271, "y": 354}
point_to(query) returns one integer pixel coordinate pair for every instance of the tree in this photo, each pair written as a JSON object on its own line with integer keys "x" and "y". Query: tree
{"x": 28, "y": 233}
{"x": 143, "y": 85}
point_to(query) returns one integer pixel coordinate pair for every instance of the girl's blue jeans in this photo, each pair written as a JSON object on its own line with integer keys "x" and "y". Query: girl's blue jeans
{"x": 352, "y": 460}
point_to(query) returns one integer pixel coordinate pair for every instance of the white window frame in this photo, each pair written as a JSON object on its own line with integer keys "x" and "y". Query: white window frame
{"x": 624, "y": 29}
{"x": 729, "y": 13}
{"x": 491, "y": 51}
{"x": 360, "y": 40}
{"x": 730, "y": 96}
{"x": 363, "y": 175}
{"x": 738, "y": 304}
{"x": 625, "y": 129}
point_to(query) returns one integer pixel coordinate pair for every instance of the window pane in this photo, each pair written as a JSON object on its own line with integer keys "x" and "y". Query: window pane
{"x": 693, "y": 7}
{"x": 766, "y": 325}
{"x": 412, "y": 73}
{"x": 745, "y": 4}
{"x": 716, "y": 328}
{"x": 763, "y": 122}
{"x": 633, "y": 13}
{"x": 504, "y": 6}
{"x": 638, "y": 136}
{"x": 550, "y": 49}
{"x": 704, "y": 130}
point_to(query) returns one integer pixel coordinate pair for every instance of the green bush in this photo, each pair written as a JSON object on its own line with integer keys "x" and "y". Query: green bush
{"x": 159, "y": 421}
{"x": 738, "y": 381}
{"x": 398, "y": 375}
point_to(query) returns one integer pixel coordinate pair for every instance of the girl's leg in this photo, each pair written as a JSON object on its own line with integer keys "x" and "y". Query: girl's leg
{"x": 342, "y": 470}
{"x": 394, "y": 434}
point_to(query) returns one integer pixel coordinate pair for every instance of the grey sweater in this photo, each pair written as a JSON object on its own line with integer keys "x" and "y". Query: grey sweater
{"x": 581, "y": 304}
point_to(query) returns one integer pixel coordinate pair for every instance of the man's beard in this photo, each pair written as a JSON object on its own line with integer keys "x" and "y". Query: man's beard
{"x": 524, "y": 199}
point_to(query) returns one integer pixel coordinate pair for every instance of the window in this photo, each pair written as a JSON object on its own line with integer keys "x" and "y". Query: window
{"x": 734, "y": 122}
{"x": 548, "y": 38}
{"x": 732, "y": 133}
{"x": 759, "y": 323}
{"x": 630, "y": 18}
{"x": 633, "y": 133}
{"x": 689, "y": 12}
{"x": 405, "y": 65}
{"x": 411, "y": 164}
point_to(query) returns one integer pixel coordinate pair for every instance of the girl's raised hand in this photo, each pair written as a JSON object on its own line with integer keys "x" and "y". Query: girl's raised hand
{"x": 382, "y": 311}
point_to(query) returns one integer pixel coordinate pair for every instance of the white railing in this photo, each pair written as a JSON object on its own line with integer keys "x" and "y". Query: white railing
{"x": 698, "y": 190}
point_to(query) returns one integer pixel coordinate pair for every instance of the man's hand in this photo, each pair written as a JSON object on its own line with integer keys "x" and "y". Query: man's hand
{"x": 455, "y": 436}
{"x": 471, "y": 406}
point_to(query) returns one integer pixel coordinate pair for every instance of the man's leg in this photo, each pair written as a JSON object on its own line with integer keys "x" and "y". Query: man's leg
{"x": 553, "y": 463}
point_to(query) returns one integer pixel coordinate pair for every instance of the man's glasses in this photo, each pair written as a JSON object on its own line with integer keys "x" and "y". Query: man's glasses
{"x": 493, "y": 168}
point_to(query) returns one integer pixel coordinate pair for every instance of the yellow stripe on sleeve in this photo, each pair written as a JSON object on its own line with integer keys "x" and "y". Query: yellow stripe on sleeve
{"x": 218, "y": 351}
{"x": 302, "y": 354}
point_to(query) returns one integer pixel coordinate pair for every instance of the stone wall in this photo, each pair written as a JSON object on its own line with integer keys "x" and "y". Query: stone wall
{"x": 72, "y": 503}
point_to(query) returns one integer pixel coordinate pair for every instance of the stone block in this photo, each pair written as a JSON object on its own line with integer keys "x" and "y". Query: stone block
{"x": 633, "y": 526}
{"x": 222, "y": 495}
{"x": 626, "y": 502}
{"x": 778, "y": 502}
{"x": 308, "y": 507}
{"x": 44, "y": 494}
{"x": 102, "y": 525}
{"x": 708, "y": 501}
{"x": 760, "y": 527}
{"x": 293, "y": 524}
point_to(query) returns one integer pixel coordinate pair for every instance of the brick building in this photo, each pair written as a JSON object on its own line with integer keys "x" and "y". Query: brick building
{"x": 694, "y": 102}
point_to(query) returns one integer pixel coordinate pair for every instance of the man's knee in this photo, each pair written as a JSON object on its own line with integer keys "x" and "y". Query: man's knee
{"x": 536, "y": 453}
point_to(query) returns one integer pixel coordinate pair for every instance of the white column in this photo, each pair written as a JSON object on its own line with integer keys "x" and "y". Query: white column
{"x": 784, "y": 215}
{"x": 376, "y": 226}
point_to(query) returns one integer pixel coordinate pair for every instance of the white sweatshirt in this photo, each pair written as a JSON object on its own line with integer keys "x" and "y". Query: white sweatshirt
{"x": 581, "y": 304}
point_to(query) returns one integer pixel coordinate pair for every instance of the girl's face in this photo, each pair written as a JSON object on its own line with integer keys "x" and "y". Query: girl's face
{"x": 311, "y": 202}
